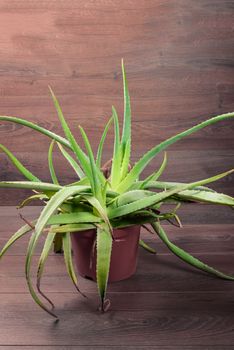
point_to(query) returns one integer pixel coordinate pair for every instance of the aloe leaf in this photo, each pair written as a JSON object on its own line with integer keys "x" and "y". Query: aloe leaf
{"x": 126, "y": 134}
{"x": 104, "y": 192}
{"x": 117, "y": 153}
{"x": 82, "y": 182}
{"x": 45, "y": 215}
{"x": 146, "y": 247}
{"x": 101, "y": 143}
{"x": 41, "y": 264}
{"x": 38, "y": 128}
{"x": 81, "y": 156}
{"x": 199, "y": 193}
{"x": 126, "y": 160}
{"x": 51, "y": 165}
{"x": 58, "y": 243}
{"x": 40, "y": 186}
{"x": 71, "y": 161}
{"x": 94, "y": 180}
{"x": 99, "y": 209}
{"x": 158, "y": 197}
{"x": 19, "y": 165}
{"x": 186, "y": 256}
{"x": 30, "y": 286}
{"x": 144, "y": 161}
{"x": 130, "y": 196}
{"x": 204, "y": 196}
{"x": 168, "y": 185}
{"x": 131, "y": 221}
{"x": 73, "y": 228}
{"x": 31, "y": 198}
{"x": 109, "y": 193}
{"x": 68, "y": 260}
{"x": 157, "y": 174}
{"x": 104, "y": 246}
{"x": 72, "y": 218}
{"x": 18, "y": 234}
{"x": 140, "y": 217}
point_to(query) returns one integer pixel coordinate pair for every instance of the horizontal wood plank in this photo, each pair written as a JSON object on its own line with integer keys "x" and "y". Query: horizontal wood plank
{"x": 176, "y": 80}
{"x": 180, "y": 315}
{"x": 154, "y": 273}
{"x": 179, "y": 62}
{"x": 194, "y": 239}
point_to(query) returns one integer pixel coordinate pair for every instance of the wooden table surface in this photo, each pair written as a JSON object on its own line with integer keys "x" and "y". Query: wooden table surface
{"x": 165, "y": 305}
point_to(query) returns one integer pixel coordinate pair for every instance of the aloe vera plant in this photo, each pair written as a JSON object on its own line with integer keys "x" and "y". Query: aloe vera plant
{"x": 104, "y": 200}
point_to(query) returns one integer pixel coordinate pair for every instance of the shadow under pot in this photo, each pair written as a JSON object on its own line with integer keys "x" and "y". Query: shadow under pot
{"x": 123, "y": 256}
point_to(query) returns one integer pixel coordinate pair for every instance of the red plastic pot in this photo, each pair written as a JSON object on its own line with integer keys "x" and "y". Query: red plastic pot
{"x": 123, "y": 257}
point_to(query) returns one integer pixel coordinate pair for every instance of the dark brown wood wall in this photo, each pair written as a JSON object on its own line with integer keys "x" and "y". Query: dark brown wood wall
{"x": 179, "y": 57}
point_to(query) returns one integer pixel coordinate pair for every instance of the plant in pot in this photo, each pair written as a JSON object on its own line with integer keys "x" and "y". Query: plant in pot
{"x": 98, "y": 217}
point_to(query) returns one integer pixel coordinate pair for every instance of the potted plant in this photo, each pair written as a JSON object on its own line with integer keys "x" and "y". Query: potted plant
{"x": 99, "y": 216}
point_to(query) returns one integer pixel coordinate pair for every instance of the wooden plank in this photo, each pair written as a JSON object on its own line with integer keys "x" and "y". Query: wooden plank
{"x": 146, "y": 132}
{"x": 120, "y": 347}
{"x": 154, "y": 273}
{"x": 180, "y": 70}
{"x": 175, "y": 79}
{"x": 183, "y": 166}
{"x": 194, "y": 239}
{"x": 188, "y": 318}
{"x": 190, "y": 214}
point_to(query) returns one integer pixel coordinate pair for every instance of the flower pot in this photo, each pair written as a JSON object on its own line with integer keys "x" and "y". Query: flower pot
{"x": 123, "y": 257}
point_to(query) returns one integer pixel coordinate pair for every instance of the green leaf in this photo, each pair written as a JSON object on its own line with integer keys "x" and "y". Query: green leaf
{"x": 126, "y": 161}
{"x": 104, "y": 192}
{"x": 58, "y": 242}
{"x": 38, "y": 128}
{"x": 199, "y": 193}
{"x": 31, "y": 198}
{"x": 18, "y": 234}
{"x": 41, "y": 264}
{"x": 126, "y": 134}
{"x": 72, "y": 218}
{"x": 186, "y": 256}
{"x": 204, "y": 196}
{"x": 19, "y": 165}
{"x": 162, "y": 185}
{"x": 104, "y": 246}
{"x": 101, "y": 143}
{"x": 117, "y": 153}
{"x": 81, "y": 156}
{"x": 83, "y": 182}
{"x": 51, "y": 165}
{"x": 68, "y": 260}
{"x": 94, "y": 180}
{"x": 31, "y": 289}
{"x": 132, "y": 220}
{"x": 40, "y": 186}
{"x": 71, "y": 161}
{"x": 144, "y": 161}
{"x": 158, "y": 197}
{"x": 130, "y": 196}
{"x": 146, "y": 247}
{"x": 73, "y": 228}
{"x": 157, "y": 174}
{"x": 45, "y": 215}
{"x": 99, "y": 209}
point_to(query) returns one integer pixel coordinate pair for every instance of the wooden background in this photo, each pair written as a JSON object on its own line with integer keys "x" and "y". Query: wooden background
{"x": 179, "y": 62}
{"x": 180, "y": 67}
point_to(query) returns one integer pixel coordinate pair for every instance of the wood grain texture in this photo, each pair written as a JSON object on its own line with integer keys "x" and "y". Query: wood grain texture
{"x": 119, "y": 347}
{"x": 179, "y": 59}
{"x": 166, "y": 305}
